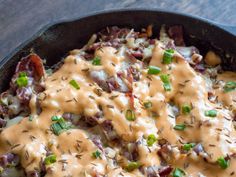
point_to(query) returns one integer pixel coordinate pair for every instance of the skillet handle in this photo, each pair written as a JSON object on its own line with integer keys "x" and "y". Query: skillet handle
{"x": 230, "y": 29}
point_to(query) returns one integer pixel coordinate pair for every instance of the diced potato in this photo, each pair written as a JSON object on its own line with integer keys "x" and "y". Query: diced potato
{"x": 212, "y": 58}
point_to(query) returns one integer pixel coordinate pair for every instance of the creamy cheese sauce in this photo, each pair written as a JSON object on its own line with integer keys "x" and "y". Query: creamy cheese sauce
{"x": 74, "y": 148}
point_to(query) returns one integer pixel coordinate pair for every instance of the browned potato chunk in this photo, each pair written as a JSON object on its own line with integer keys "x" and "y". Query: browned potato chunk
{"x": 212, "y": 58}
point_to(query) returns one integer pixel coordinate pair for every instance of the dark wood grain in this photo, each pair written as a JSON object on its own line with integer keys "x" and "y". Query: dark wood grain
{"x": 20, "y": 19}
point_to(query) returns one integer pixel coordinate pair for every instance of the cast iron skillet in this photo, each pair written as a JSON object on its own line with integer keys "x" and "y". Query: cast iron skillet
{"x": 55, "y": 40}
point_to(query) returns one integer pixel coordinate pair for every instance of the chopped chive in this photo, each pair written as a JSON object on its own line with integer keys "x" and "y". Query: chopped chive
{"x": 50, "y": 159}
{"x": 96, "y": 154}
{"x": 130, "y": 115}
{"x": 167, "y": 86}
{"x": 229, "y": 86}
{"x": 64, "y": 125}
{"x": 178, "y": 173}
{"x": 186, "y": 109}
{"x": 180, "y": 127}
{"x": 96, "y": 61}
{"x": 56, "y": 128}
{"x": 132, "y": 166}
{"x": 151, "y": 139}
{"x": 211, "y": 113}
{"x": 74, "y": 84}
{"x": 22, "y": 80}
{"x": 154, "y": 70}
{"x": 60, "y": 126}
{"x": 188, "y": 146}
{"x": 168, "y": 56}
{"x": 55, "y": 118}
{"x": 223, "y": 163}
{"x": 165, "y": 78}
{"x": 166, "y": 82}
{"x": 147, "y": 104}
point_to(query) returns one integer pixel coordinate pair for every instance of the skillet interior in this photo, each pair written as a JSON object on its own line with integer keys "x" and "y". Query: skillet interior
{"x": 57, "y": 40}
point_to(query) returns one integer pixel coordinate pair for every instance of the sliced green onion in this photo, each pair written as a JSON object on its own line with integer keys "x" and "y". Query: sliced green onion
{"x": 56, "y": 128}
{"x": 147, "y": 104}
{"x": 167, "y": 86}
{"x": 96, "y": 61}
{"x": 130, "y": 115}
{"x": 229, "y": 86}
{"x": 188, "y": 146}
{"x": 96, "y": 154}
{"x": 166, "y": 82}
{"x": 223, "y": 163}
{"x": 22, "y": 80}
{"x": 55, "y": 118}
{"x": 154, "y": 70}
{"x": 60, "y": 126}
{"x": 151, "y": 139}
{"x": 180, "y": 127}
{"x": 65, "y": 125}
{"x": 186, "y": 109}
{"x": 168, "y": 56}
{"x": 74, "y": 84}
{"x": 50, "y": 159}
{"x": 211, "y": 113}
{"x": 178, "y": 173}
{"x": 132, "y": 166}
{"x": 165, "y": 78}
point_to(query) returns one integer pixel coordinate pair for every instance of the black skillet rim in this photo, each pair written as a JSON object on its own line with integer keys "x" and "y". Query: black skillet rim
{"x": 106, "y": 12}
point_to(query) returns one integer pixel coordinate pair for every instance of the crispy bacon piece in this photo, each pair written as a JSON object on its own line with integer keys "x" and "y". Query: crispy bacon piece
{"x": 130, "y": 78}
{"x": 131, "y": 98}
{"x": 31, "y": 64}
{"x": 17, "y": 98}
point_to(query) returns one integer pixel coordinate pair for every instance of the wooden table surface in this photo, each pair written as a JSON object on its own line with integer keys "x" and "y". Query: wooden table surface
{"x": 20, "y": 19}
